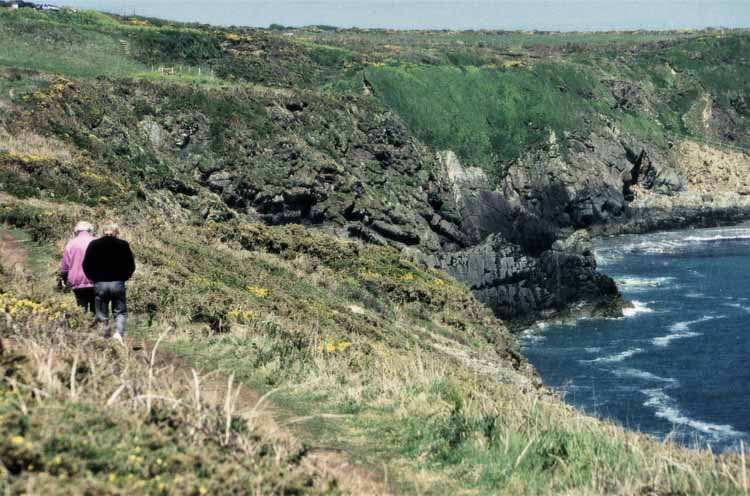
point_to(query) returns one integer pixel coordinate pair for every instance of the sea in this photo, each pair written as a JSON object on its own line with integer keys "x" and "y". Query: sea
{"x": 677, "y": 365}
{"x": 545, "y": 15}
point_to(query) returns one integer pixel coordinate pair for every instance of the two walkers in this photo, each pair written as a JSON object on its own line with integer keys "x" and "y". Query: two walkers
{"x": 97, "y": 270}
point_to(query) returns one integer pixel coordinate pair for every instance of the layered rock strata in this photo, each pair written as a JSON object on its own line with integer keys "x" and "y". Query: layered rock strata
{"x": 518, "y": 267}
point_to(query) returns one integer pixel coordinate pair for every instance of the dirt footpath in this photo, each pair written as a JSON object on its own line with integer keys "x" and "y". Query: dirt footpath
{"x": 260, "y": 413}
{"x": 12, "y": 257}
{"x": 214, "y": 389}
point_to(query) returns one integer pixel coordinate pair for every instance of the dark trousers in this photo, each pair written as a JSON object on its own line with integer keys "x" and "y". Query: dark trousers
{"x": 85, "y": 298}
{"x": 111, "y": 292}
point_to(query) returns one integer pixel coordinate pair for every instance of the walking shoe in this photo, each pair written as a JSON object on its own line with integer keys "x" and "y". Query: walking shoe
{"x": 118, "y": 337}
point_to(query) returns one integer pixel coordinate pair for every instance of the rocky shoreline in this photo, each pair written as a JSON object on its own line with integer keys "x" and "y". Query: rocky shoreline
{"x": 532, "y": 260}
{"x": 683, "y": 214}
{"x": 684, "y": 211}
{"x": 516, "y": 235}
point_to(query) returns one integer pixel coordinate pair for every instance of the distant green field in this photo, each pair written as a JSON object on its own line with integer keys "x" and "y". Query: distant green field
{"x": 487, "y": 95}
{"x": 494, "y": 39}
{"x": 490, "y": 111}
{"x": 85, "y": 44}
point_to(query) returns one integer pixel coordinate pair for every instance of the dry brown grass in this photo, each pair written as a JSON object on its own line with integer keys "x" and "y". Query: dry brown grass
{"x": 29, "y": 144}
{"x": 415, "y": 394}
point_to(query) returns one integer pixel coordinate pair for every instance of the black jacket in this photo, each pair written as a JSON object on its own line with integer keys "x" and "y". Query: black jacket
{"x": 108, "y": 259}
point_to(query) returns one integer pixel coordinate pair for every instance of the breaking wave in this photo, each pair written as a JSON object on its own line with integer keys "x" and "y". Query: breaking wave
{"x": 681, "y": 330}
{"x": 642, "y": 374}
{"x": 666, "y": 408}
{"x": 533, "y": 334}
{"x": 638, "y": 308}
{"x": 667, "y": 243}
{"x": 617, "y": 357}
{"x": 635, "y": 283}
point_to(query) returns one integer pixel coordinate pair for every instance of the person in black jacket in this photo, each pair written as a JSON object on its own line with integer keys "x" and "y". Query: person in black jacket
{"x": 109, "y": 263}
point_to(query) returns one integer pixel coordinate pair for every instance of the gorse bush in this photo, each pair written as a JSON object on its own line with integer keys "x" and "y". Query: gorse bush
{"x": 175, "y": 45}
{"x": 80, "y": 416}
{"x": 363, "y": 349}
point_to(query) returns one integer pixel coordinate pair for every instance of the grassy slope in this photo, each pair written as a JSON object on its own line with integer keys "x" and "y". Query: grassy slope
{"x": 365, "y": 350}
{"x": 490, "y": 96}
{"x": 78, "y": 415}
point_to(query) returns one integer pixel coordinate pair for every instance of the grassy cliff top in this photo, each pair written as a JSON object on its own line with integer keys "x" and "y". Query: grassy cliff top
{"x": 365, "y": 354}
{"x": 487, "y": 95}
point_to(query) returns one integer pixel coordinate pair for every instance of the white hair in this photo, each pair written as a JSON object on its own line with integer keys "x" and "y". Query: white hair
{"x": 84, "y": 226}
{"x": 110, "y": 228}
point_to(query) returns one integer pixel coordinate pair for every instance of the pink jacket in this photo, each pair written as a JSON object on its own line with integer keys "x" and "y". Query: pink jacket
{"x": 72, "y": 261}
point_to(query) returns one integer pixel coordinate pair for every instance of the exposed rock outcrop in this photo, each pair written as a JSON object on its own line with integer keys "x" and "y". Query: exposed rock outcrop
{"x": 485, "y": 211}
{"x": 590, "y": 179}
{"x": 716, "y": 192}
{"x": 516, "y": 285}
{"x": 518, "y": 267}
{"x": 344, "y": 165}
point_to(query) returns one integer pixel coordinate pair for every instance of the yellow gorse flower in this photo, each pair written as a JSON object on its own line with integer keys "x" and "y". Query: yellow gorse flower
{"x": 339, "y": 346}
{"x": 21, "y": 307}
{"x": 257, "y": 291}
{"x": 240, "y": 314}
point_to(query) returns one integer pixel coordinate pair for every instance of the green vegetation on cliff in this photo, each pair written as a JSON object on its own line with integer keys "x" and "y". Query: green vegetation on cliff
{"x": 366, "y": 353}
{"x": 488, "y": 115}
{"x": 491, "y": 111}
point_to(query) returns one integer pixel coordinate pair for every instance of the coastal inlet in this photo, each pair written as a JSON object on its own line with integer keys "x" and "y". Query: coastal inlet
{"x": 676, "y": 365}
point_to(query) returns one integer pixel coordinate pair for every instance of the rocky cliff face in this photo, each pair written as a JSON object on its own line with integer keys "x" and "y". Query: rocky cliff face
{"x": 608, "y": 181}
{"x": 584, "y": 139}
{"x": 517, "y": 265}
{"x": 613, "y": 182}
{"x": 345, "y": 165}
{"x": 592, "y": 180}
{"x": 517, "y": 285}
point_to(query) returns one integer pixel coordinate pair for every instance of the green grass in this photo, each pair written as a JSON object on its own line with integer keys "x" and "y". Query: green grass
{"x": 362, "y": 348}
{"x": 371, "y": 39}
{"x": 491, "y": 115}
{"x": 39, "y": 255}
{"x": 89, "y": 44}
{"x": 98, "y": 55}
{"x": 487, "y": 115}
{"x": 365, "y": 351}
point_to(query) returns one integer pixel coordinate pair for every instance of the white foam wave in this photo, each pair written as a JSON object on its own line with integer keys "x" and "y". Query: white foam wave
{"x": 642, "y": 374}
{"x": 607, "y": 256}
{"x": 738, "y": 306}
{"x": 638, "y": 308}
{"x": 672, "y": 242}
{"x": 666, "y": 408}
{"x": 664, "y": 341}
{"x": 695, "y": 295}
{"x": 533, "y": 334}
{"x": 617, "y": 357}
{"x": 641, "y": 283}
{"x": 529, "y": 338}
{"x": 653, "y": 247}
{"x": 594, "y": 349}
{"x": 718, "y": 237}
{"x": 681, "y": 330}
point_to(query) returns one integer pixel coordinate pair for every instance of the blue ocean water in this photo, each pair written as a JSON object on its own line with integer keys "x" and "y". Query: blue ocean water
{"x": 677, "y": 365}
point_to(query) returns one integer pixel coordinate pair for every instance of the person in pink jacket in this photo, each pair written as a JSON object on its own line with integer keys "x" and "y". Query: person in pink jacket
{"x": 71, "y": 266}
